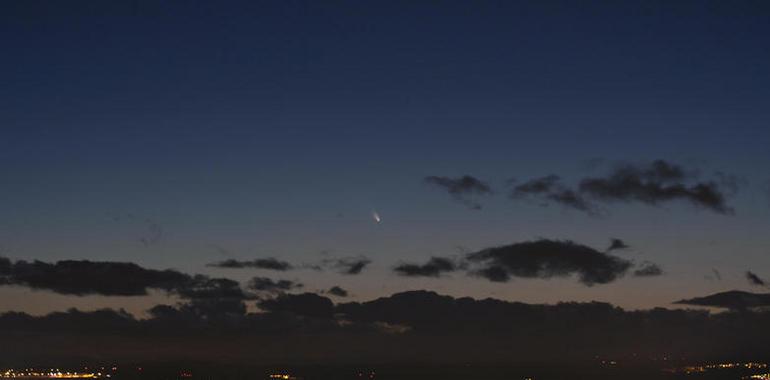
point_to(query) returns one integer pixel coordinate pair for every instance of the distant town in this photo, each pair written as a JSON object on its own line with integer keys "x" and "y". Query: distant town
{"x": 602, "y": 369}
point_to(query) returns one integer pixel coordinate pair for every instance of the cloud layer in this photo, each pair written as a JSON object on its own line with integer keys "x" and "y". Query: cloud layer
{"x": 402, "y": 328}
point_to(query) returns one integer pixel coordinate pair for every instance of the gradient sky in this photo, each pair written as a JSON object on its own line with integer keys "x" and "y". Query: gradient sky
{"x": 255, "y": 129}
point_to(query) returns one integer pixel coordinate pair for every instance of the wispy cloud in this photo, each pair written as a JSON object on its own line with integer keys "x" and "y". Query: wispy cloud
{"x": 269, "y": 263}
{"x": 462, "y": 189}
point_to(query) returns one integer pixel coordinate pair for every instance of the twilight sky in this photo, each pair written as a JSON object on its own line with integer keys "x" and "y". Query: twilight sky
{"x": 180, "y": 134}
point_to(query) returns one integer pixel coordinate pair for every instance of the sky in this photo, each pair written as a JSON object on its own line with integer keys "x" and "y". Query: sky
{"x": 180, "y": 134}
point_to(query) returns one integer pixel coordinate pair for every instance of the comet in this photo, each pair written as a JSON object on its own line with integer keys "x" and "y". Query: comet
{"x": 376, "y": 216}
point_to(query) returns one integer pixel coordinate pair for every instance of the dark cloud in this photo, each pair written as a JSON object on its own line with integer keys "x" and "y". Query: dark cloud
{"x": 306, "y": 304}
{"x": 348, "y": 265}
{"x": 83, "y": 277}
{"x": 548, "y": 258}
{"x": 462, "y": 189}
{"x": 653, "y": 184}
{"x": 550, "y": 189}
{"x": 264, "y": 284}
{"x": 435, "y": 267}
{"x": 617, "y": 244}
{"x": 754, "y": 279}
{"x": 270, "y": 263}
{"x": 337, "y": 291}
{"x": 734, "y": 299}
{"x": 656, "y": 183}
{"x": 649, "y": 270}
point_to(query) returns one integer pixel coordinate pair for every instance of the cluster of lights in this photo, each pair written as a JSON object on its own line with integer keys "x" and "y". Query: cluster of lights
{"x": 50, "y": 374}
{"x": 707, "y": 367}
{"x": 762, "y": 376}
{"x": 282, "y": 376}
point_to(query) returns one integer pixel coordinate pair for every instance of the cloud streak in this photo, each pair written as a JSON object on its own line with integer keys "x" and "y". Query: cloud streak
{"x": 269, "y": 263}
{"x": 83, "y": 277}
{"x": 735, "y": 299}
{"x": 755, "y": 280}
{"x": 550, "y": 189}
{"x": 462, "y": 189}
{"x": 348, "y": 265}
{"x": 649, "y": 270}
{"x": 435, "y": 267}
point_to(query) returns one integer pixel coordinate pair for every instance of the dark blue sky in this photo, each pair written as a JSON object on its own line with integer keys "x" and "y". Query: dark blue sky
{"x": 275, "y": 128}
